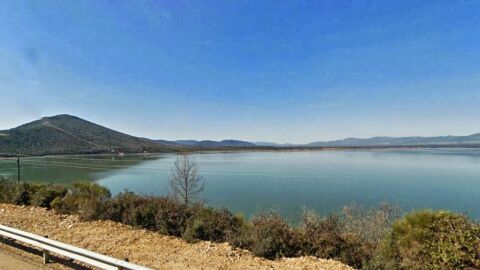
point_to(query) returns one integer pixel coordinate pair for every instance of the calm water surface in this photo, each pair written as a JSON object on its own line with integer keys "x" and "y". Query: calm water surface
{"x": 289, "y": 181}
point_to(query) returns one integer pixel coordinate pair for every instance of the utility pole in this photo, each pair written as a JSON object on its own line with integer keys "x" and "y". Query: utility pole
{"x": 18, "y": 169}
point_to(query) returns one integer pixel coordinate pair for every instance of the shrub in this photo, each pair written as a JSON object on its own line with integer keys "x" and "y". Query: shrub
{"x": 326, "y": 238}
{"x": 119, "y": 207}
{"x": 455, "y": 244}
{"x": 85, "y": 199}
{"x": 161, "y": 214}
{"x": 372, "y": 224}
{"x": 243, "y": 237}
{"x": 4, "y": 190}
{"x": 44, "y": 195}
{"x": 322, "y": 237}
{"x": 19, "y": 194}
{"x": 431, "y": 240}
{"x": 171, "y": 217}
{"x": 56, "y": 203}
{"x": 8, "y": 191}
{"x": 364, "y": 229}
{"x": 144, "y": 215}
{"x": 272, "y": 238}
{"x": 212, "y": 225}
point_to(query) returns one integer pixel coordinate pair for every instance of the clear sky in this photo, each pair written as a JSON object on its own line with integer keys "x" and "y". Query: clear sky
{"x": 284, "y": 71}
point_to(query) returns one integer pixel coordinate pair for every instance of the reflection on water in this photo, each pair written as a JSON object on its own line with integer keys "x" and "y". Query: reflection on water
{"x": 67, "y": 169}
{"x": 289, "y": 181}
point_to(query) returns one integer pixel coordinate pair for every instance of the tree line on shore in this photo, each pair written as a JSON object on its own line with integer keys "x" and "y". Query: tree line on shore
{"x": 365, "y": 238}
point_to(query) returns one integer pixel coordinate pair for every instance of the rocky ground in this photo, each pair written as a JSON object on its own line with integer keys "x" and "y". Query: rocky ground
{"x": 141, "y": 246}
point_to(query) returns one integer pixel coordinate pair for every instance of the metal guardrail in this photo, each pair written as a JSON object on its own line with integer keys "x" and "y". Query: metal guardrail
{"x": 78, "y": 254}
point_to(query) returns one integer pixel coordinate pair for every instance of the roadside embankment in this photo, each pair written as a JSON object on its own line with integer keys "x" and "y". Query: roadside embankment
{"x": 144, "y": 247}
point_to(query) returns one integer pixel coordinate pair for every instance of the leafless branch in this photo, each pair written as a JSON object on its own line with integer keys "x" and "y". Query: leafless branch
{"x": 185, "y": 181}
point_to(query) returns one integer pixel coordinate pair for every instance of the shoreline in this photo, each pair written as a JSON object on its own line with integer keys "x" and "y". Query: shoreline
{"x": 253, "y": 149}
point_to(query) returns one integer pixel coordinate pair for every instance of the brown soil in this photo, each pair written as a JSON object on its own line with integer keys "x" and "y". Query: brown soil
{"x": 12, "y": 262}
{"x": 143, "y": 247}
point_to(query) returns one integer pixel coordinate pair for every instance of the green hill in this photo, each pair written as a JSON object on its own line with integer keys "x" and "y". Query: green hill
{"x": 66, "y": 134}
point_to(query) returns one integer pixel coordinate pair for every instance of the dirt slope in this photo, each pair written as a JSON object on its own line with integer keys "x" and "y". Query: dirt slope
{"x": 12, "y": 262}
{"x": 143, "y": 247}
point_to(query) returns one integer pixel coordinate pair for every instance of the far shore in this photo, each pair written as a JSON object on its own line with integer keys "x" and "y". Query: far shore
{"x": 254, "y": 149}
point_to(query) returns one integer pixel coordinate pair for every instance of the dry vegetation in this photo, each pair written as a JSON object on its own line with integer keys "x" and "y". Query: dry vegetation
{"x": 144, "y": 247}
{"x": 371, "y": 239}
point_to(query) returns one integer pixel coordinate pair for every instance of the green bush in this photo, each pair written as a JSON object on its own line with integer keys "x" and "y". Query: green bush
{"x": 431, "y": 240}
{"x": 272, "y": 238}
{"x": 455, "y": 244}
{"x": 243, "y": 238}
{"x": 119, "y": 207}
{"x": 161, "y": 214}
{"x": 85, "y": 199}
{"x": 29, "y": 194}
{"x": 171, "y": 217}
{"x": 5, "y": 190}
{"x": 44, "y": 195}
{"x": 11, "y": 192}
{"x": 212, "y": 225}
{"x": 168, "y": 216}
{"x": 57, "y": 203}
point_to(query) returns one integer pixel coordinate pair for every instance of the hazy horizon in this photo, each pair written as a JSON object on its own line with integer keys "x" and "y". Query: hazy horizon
{"x": 284, "y": 72}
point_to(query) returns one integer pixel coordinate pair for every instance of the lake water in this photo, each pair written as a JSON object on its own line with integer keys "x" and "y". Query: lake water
{"x": 288, "y": 181}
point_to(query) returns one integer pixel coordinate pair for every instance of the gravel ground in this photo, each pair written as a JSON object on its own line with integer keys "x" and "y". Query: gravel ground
{"x": 144, "y": 247}
{"x": 9, "y": 261}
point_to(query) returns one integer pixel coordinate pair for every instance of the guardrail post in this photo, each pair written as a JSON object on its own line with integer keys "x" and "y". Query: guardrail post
{"x": 46, "y": 254}
{"x": 121, "y": 268}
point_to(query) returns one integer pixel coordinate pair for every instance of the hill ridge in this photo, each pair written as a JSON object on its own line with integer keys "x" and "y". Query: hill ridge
{"x": 67, "y": 134}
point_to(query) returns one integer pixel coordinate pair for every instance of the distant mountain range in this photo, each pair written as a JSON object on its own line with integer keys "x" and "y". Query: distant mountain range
{"x": 66, "y": 134}
{"x": 473, "y": 139}
{"x": 207, "y": 143}
{"x": 272, "y": 144}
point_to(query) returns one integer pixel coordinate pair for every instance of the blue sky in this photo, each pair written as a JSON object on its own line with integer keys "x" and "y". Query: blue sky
{"x": 285, "y": 71}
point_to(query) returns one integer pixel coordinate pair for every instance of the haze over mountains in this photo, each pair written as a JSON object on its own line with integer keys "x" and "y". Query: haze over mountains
{"x": 66, "y": 134}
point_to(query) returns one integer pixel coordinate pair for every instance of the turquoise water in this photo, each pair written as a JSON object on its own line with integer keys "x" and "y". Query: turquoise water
{"x": 289, "y": 181}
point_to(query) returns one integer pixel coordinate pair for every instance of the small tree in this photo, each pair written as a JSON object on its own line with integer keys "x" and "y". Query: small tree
{"x": 185, "y": 183}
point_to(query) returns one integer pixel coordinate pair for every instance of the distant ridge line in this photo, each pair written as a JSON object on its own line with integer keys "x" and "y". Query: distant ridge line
{"x": 70, "y": 135}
